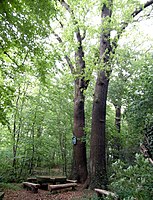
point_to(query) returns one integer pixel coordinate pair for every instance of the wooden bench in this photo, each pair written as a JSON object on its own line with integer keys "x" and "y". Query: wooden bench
{"x": 32, "y": 186}
{"x": 62, "y": 186}
{"x": 1, "y": 195}
{"x": 101, "y": 192}
{"x": 71, "y": 181}
{"x": 60, "y": 180}
{"x": 32, "y": 180}
{"x": 45, "y": 180}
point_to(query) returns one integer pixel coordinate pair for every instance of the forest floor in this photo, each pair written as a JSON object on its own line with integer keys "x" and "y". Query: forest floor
{"x": 23, "y": 194}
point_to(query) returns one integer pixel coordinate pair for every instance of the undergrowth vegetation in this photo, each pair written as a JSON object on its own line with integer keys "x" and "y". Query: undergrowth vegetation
{"x": 134, "y": 181}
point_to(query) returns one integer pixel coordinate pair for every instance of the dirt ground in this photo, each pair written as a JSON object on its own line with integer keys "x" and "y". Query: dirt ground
{"x": 23, "y": 194}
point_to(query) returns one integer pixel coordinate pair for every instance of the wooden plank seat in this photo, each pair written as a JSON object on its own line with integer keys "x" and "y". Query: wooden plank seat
{"x": 31, "y": 186}
{"x": 45, "y": 179}
{"x": 62, "y": 186}
{"x": 101, "y": 192}
{"x": 1, "y": 195}
{"x": 71, "y": 181}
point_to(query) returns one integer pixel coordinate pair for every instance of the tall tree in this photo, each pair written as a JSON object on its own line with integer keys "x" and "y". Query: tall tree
{"x": 98, "y": 171}
{"x": 77, "y": 66}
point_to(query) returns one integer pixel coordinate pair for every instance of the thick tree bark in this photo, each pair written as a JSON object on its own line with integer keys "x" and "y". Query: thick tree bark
{"x": 98, "y": 172}
{"x": 79, "y": 168}
{"x": 79, "y": 165}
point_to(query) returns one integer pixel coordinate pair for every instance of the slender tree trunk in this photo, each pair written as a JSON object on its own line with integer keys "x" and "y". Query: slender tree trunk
{"x": 14, "y": 148}
{"x": 15, "y": 140}
{"x": 117, "y": 139}
{"x": 17, "y": 124}
{"x": 62, "y": 142}
{"x": 31, "y": 164}
{"x": 39, "y": 134}
{"x": 118, "y": 118}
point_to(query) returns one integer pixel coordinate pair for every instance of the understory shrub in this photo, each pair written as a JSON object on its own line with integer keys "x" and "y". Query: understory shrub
{"x": 133, "y": 182}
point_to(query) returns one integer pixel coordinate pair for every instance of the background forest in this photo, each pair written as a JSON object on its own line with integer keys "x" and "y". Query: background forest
{"x": 49, "y": 61}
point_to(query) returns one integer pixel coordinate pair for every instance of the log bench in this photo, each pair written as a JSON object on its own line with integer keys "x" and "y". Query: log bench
{"x": 1, "y": 195}
{"x": 62, "y": 186}
{"x": 31, "y": 186}
{"x": 101, "y": 193}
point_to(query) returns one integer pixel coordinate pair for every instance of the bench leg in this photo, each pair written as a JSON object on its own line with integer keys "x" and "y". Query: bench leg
{"x": 73, "y": 188}
{"x": 34, "y": 190}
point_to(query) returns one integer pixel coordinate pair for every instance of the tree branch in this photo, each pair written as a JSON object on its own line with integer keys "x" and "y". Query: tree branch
{"x": 125, "y": 24}
{"x": 25, "y": 58}
{"x": 11, "y": 59}
{"x": 84, "y": 35}
{"x": 65, "y": 56}
{"x": 60, "y": 22}
{"x": 140, "y": 18}
{"x": 141, "y": 8}
{"x": 137, "y": 11}
{"x": 70, "y": 64}
{"x": 57, "y": 37}
{"x": 79, "y": 54}
{"x": 65, "y": 5}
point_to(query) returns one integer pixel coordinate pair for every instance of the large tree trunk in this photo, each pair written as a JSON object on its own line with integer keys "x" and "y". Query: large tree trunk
{"x": 79, "y": 168}
{"x": 98, "y": 172}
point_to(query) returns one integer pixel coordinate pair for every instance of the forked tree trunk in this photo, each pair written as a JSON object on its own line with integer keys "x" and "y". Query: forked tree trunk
{"x": 79, "y": 166}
